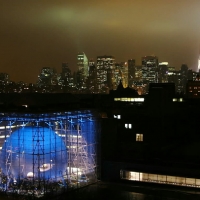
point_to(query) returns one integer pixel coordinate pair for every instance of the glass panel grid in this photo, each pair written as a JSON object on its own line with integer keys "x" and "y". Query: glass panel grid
{"x": 47, "y": 150}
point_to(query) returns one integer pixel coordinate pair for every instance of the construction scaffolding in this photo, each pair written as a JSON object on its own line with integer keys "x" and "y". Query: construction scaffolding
{"x": 47, "y": 153}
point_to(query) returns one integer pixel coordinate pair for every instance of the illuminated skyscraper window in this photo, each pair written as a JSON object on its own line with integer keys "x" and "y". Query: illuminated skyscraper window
{"x": 150, "y": 69}
{"x": 139, "y": 137}
{"x": 117, "y": 116}
{"x": 105, "y": 72}
{"x": 83, "y": 70}
{"x": 128, "y": 126}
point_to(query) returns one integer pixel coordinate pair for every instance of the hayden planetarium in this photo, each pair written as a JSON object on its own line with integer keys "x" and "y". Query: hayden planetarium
{"x": 45, "y": 152}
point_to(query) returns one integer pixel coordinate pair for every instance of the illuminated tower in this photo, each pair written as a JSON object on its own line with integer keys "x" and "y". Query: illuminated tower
{"x": 131, "y": 72}
{"x": 150, "y": 69}
{"x": 46, "y": 77}
{"x": 123, "y": 74}
{"x": 163, "y": 72}
{"x": 199, "y": 62}
{"x": 118, "y": 75}
{"x": 82, "y": 64}
{"x": 105, "y": 67}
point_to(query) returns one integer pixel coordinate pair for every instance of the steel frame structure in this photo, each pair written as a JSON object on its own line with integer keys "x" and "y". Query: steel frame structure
{"x": 78, "y": 130}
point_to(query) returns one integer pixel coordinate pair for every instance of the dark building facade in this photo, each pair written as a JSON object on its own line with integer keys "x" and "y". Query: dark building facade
{"x": 92, "y": 77}
{"x": 193, "y": 89}
{"x": 152, "y": 135}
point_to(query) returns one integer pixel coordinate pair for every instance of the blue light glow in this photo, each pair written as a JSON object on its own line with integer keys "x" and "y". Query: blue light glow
{"x": 34, "y": 151}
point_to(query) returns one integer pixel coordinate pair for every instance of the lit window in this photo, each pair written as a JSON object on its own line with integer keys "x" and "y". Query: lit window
{"x": 117, "y": 116}
{"x": 160, "y": 178}
{"x": 128, "y": 126}
{"x": 134, "y": 176}
{"x": 139, "y": 137}
{"x": 25, "y": 105}
{"x": 123, "y": 99}
{"x": 139, "y": 99}
{"x": 129, "y": 99}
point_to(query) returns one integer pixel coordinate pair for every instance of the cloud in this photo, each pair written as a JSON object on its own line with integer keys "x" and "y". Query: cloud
{"x": 50, "y": 31}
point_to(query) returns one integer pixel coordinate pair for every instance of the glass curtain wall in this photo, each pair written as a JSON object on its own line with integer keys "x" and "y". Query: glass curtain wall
{"x": 47, "y": 152}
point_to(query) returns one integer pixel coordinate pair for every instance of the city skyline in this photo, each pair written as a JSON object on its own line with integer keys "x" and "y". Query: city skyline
{"x": 45, "y": 34}
{"x": 60, "y": 71}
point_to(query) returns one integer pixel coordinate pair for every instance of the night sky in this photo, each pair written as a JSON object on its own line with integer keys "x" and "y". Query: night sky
{"x": 45, "y": 33}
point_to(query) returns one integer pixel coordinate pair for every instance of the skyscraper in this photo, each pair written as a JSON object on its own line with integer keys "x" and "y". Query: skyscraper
{"x": 163, "y": 72}
{"x": 91, "y": 81}
{"x": 199, "y": 61}
{"x": 117, "y": 75}
{"x": 66, "y": 77}
{"x": 184, "y": 76}
{"x": 150, "y": 69}
{"x": 131, "y": 72}
{"x": 124, "y": 74}
{"x": 45, "y": 78}
{"x": 105, "y": 67}
{"x": 82, "y": 64}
